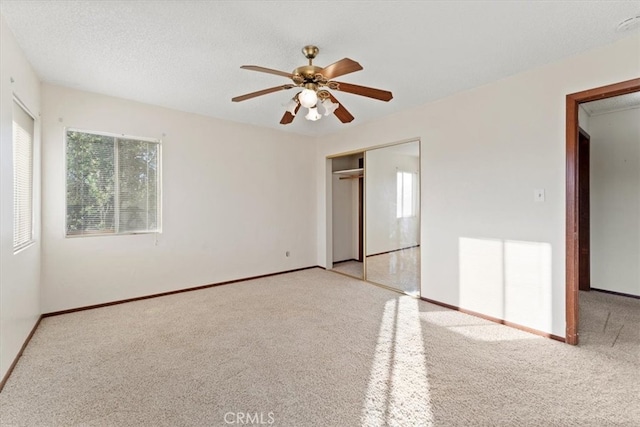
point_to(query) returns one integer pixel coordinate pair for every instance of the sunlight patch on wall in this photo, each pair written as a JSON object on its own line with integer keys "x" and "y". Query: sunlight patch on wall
{"x": 398, "y": 390}
{"x": 481, "y": 276}
{"x": 527, "y": 277}
{"x": 507, "y": 279}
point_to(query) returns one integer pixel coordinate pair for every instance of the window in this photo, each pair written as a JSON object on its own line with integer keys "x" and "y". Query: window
{"x": 23, "y": 129}
{"x": 406, "y": 194}
{"x": 113, "y": 184}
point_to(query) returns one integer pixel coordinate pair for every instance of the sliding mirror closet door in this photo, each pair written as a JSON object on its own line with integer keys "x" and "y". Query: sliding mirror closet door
{"x": 347, "y": 194}
{"x": 393, "y": 216}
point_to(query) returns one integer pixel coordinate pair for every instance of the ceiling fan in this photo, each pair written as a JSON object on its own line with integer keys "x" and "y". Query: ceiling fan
{"x": 315, "y": 83}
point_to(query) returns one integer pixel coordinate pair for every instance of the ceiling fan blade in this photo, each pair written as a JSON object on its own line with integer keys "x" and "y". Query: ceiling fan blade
{"x": 340, "y": 68}
{"x": 267, "y": 70}
{"x": 341, "y": 113}
{"x": 382, "y": 95}
{"x": 288, "y": 117}
{"x": 261, "y": 92}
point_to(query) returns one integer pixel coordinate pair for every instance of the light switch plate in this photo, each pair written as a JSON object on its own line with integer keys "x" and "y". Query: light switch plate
{"x": 538, "y": 195}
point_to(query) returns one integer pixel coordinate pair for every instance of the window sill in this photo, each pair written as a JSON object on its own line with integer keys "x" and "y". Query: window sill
{"x": 103, "y": 234}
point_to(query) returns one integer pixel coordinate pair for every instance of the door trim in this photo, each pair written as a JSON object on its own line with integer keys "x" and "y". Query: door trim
{"x": 571, "y": 241}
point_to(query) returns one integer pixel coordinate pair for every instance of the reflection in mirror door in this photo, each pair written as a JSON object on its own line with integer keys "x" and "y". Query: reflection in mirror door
{"x": 393, "y": 216}
{"x": 347, "y": 214}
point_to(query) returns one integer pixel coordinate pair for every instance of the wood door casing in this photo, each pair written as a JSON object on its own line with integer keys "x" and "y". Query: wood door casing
{"x": 360, "y": 219}
{"x": 571, "y": 240}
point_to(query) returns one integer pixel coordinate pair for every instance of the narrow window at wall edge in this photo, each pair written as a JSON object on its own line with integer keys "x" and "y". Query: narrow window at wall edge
{"x": 23, "y": 127}
{"x": 406, "y": 194}
{"x": 113, "y": 184}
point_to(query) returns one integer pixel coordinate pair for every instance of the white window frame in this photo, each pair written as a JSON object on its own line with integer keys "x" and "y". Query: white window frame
{"x": 158, "y": 141}
{"x": 25, "y": 244}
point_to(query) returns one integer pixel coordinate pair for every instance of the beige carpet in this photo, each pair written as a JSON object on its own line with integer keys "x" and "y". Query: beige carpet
{"x": 350, "y": 268}
{"x": 610, "y": 325}
{"x": 310, "y": 348}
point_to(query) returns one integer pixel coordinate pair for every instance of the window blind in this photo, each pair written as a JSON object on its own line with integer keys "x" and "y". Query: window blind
{"x": 23, "y": 130}
{"x": 137, "y": 182}
{"x": 90, "y": 183}
{"x": 113, "y": 184}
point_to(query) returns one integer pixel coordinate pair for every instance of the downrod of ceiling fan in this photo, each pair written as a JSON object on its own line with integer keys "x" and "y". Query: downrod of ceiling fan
{"x": 310, "y": 52}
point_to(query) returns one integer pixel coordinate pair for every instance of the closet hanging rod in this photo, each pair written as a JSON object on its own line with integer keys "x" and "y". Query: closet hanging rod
{"x": 351, "y": 177}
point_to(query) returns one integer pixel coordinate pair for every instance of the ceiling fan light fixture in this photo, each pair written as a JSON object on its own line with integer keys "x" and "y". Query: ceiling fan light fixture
{"x": 313, "y": 114}
{"x": 308, "y": 98}
{"x": 329, "y": 107}
{"x": 291, "y": 106}
{"x": 314, "y": 83}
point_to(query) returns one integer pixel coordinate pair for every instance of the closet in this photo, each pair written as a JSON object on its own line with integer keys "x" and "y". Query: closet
{"x": 347, "y": 193}
{"x": 374, "y": 228}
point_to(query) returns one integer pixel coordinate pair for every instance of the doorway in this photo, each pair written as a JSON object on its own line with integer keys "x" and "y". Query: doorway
{"x": 347, "y": 214}
{"x": 574, "y": 260}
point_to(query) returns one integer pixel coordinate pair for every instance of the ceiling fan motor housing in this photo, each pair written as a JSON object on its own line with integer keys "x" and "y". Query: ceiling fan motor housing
{"x": 306, "y": 74}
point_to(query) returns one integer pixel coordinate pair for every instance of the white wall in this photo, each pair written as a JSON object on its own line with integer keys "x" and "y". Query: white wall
{"x": 484, "y": 151}
{"x": 235, "y": 199}
{"x": 19, "y": 272}
{"x": 615, "y": 201}
{"x": 343, "y": 244}
{"x": 583, "y": 118}
{"x": 385, "y": 232}
{"x": 344, "y": 210}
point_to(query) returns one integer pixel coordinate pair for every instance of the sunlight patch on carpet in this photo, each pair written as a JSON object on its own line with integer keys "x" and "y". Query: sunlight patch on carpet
{"x": 474, "y": 327}
{"x": 398, "y": 390}
{"x": 492, "y": 333}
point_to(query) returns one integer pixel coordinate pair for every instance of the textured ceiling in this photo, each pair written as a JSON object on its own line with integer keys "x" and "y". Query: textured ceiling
{"x": 186, "y": 54}
{"x": 616, "y": 103}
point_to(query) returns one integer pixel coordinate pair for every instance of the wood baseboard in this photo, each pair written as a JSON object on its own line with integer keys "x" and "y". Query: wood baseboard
{"x": 162, "y": 294}
{"x": 345, "y": 260}
{"x": 495, "y": 320}
{"x": 620, "y": 294}
{"x": 15, "y": 360}
{"x": 394, "y": 250}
